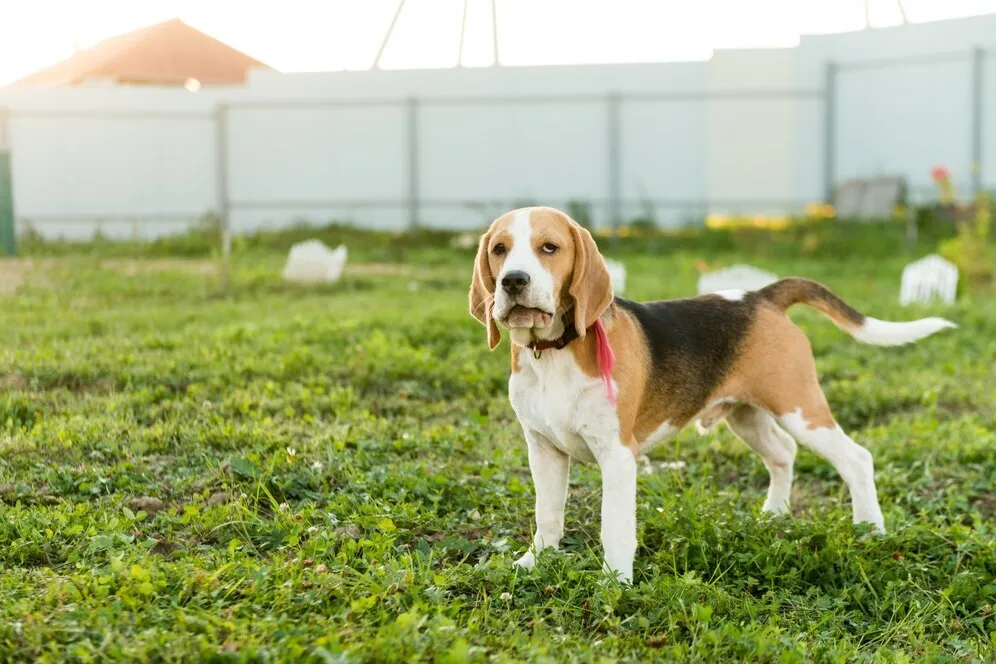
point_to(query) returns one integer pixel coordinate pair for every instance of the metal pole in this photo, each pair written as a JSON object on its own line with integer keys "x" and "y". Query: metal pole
{"x": 387, "y": 35}
{"x": 494, "y": 30}
{"x": 413, "y": 163}
{"x": 8, "y": 240}
{"x": 612, "y": 102}
{"x": 902, "y": 11}
{"x": 911, "y": 230}
{"x": 224, "y": 205}
{"x": 978, "y": 93}
{"x": 4, "y": 123}
{"x": 463, "y": 31}
{"x": 829, "y": 131}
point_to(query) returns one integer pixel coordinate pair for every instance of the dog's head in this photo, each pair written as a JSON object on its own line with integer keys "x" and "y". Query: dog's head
{"x": 533, "y": 266}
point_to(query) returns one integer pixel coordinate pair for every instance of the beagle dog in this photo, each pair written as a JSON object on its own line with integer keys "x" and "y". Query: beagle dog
{"x": 600, "y": 378}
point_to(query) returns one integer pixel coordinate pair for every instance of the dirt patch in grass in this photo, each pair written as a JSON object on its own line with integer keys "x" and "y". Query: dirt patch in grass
{"x": 134, "y": 267}
{"x": 13, "y": 273}
{"x": 13, "y": 381}
{"x": 16, "y": 271}
{"x": 986, "y": 504}
{"x": 378, "y": 269}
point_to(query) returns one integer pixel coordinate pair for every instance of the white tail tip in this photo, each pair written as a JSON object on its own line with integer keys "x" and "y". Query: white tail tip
{"x": 884, "y": 333}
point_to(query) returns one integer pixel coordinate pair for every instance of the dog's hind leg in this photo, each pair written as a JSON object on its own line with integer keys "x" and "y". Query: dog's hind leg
{"x": 854, "y": 463}
{"x": 784, "y": 382}
{"x": 777, "y": 449}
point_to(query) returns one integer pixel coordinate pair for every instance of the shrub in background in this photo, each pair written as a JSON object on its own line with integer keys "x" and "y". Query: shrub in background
{"x": 580, "y": 211}
{"x": 971, "y": 248}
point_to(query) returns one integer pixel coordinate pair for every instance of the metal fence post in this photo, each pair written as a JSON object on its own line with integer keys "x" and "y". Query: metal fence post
{"x": 413, "y": 163}
{"x": 8, "y": 241}
{"x": 224, "y": 204}
{"x": 829, "y": 130}
{"x": 978, "y": 92}
{"x": 613, "y": 134}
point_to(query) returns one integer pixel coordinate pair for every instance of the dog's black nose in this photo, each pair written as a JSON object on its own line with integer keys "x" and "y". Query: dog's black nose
{"x": 514, "y": 281}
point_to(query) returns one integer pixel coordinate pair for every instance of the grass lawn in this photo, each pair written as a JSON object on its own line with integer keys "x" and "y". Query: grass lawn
{"x": 335, "y": 475}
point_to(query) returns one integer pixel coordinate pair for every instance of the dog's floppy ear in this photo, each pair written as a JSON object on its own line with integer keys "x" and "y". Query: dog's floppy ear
{"x": 482, "y": 292}
{"x": 591, "y": 285}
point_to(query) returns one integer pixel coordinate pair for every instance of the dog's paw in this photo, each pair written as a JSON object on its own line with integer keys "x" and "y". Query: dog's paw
{"x": 877, "y": 529}
{"x": 621, "y": 574}
{"x": 775, "y": 509}
{"x": 527, "y": 561}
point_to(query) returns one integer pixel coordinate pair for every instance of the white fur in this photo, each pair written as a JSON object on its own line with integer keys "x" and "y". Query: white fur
{"x": 885, "y": 333}
{"x": 618, "y": 467}
{"x": 731, "y": 294}
{"x": 558, "y": 404}
{"x": 550, "y": 468}
{"x": 777, "y": 449}
{"x": 522, "y": 256}
{"x": 553, "y": 397}
{"x": 853, "y": 462}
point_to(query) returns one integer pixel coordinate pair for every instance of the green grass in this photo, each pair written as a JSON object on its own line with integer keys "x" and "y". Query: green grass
{"x": 335, "y": 474}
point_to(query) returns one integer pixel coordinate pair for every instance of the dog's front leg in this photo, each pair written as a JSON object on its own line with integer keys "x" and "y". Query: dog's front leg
{"x": 549, "y": 467}
{"x": 618, "y": 466}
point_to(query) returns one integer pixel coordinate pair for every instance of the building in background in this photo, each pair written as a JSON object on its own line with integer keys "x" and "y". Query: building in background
{"x": 166, "y": 54}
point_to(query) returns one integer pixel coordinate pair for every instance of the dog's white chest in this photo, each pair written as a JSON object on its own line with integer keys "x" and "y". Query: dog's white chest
{"x": 554, "y": 398}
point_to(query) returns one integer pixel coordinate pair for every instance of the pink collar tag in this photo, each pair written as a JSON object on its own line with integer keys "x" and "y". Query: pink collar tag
{"x": 606, "y": 359}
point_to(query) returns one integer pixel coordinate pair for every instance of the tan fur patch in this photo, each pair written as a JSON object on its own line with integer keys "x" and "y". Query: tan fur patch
{"x": 794, "y": 290}
{"x": 775, "y": 370}
{"x": 550, "y": 225}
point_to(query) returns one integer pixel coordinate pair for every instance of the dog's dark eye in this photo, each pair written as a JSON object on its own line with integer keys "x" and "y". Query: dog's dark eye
{"x": 499, "y": 249}
{"x": 549, "y": 248}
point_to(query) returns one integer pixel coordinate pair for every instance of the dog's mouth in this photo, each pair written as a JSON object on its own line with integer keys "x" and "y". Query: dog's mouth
{"x": 527, "y": 317}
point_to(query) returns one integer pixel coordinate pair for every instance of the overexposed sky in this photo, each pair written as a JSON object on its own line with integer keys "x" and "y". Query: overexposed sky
{"x": 322, "y": 35}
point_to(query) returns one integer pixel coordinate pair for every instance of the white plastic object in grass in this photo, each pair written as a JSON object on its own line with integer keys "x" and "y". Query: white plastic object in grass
{"x": 929, "y": 278}
{"x": 312, "y": 262}
{"x": 617, "y": 275}
{"x": 735, "y": 277}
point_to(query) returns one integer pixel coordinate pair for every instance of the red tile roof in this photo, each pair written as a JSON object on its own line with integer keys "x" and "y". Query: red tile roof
{"x": 167, "y": 53}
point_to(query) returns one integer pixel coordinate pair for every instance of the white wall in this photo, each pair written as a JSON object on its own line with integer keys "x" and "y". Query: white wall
{"x": 743, "y": 132}
{"x": 317, "y": 163}
{"x": 750, "y": 148}
{"x": 663, "y": 155}
{"x": 989, "y": 124}
{"x": 907, "y": 118}
{"x": 508, "y": 152}
{"x": 121, "y": 162}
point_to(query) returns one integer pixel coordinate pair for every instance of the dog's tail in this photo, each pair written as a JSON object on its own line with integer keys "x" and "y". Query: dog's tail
{"x": 793, "y": 290}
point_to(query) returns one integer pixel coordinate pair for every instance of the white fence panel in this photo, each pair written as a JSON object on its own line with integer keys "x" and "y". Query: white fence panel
{"x": 318, "y": 163}
{"x": 663, "y": 156}
{"x": 989, "y": 119}
{"x": 131, "y": 174}
{"x": 906, "y": 120}
{"x": 498, "y": 154}
{"x": 750, "y": 154}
